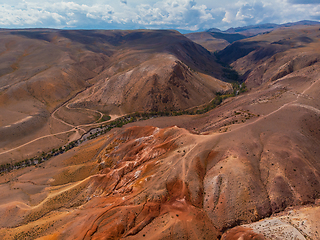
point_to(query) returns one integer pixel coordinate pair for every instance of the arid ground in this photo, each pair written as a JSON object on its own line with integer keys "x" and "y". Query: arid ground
{"x": 247, "y": 169}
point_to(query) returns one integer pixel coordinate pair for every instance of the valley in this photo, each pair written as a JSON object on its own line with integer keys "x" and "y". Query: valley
{"x": 78, "y": 69}
{"x": 198, "y": 145}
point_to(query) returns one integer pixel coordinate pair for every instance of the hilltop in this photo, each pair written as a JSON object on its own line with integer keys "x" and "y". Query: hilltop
{"x": 57, "y": 84}
{"x": 246, "y": 166}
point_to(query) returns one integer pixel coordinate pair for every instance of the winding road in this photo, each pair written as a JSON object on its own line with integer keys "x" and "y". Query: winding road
{"x": 292, "y": 103}
{"x": 79, "y": 128}
{"x": 74, "y": 128}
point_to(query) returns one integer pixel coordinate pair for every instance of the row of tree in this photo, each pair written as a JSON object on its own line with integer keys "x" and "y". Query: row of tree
{"x": 118, "y": 123}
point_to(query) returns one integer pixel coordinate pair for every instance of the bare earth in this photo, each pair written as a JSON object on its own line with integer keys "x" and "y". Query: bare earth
{"x": 55, "y": 85}
{"x": 248, "y": 169}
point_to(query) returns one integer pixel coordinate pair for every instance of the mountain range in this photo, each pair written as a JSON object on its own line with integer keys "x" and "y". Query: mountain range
{"x": 151, "y": 134}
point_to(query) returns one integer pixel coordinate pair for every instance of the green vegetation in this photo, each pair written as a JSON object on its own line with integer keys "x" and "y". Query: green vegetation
{"x": 239, "y": 88}
{"x": 105, "y": 118}
{"x": 230, "y": 74}
{"x": 119, "y": 122}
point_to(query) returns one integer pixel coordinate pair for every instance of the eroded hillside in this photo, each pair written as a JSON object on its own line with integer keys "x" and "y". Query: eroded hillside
{"x": 248, "y": 169}
{"x": 55, "y": 85}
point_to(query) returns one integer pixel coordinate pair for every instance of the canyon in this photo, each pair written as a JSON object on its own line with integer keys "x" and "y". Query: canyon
{"x": 246, "y": 169}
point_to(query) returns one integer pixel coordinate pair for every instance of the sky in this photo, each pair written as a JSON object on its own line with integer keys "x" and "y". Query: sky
{"x": 183, "y": 15}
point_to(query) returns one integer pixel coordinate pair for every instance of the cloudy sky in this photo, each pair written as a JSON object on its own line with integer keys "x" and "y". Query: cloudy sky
{"x": 193, "y": 15}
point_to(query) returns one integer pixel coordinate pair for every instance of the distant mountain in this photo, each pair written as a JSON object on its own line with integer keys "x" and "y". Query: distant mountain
{"x": 303, "y": 22}
{"x": 214, "y": 30}
{"x": 253, "y": 30}
{"x": 273, "y": 55}
{"x": 247, "y": 169}
{"x": 112, "y": 71}
{"x": 229, "y": 37}
{"x": 213, "y": 40}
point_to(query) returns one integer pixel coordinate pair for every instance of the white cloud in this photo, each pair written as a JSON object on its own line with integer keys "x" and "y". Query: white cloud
{"x": 173, "y": 13}
{"x": 127, "y": 14}
{"x": 304, "y": 1}
{"x": 228, "y": 17}
{"x": 25, "y": 15}
{"x": 242, "y": 12}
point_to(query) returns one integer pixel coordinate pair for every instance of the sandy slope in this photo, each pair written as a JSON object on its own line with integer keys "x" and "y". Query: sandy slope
{"x": 42, "y": 70}
{"x": 160, "y": 182}
{"x": 248, "y": 169}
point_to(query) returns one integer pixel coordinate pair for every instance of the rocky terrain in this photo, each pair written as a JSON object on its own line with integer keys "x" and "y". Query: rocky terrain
{"x": 55, "y": 85}
{"x": 214, "y": 41}
{"x": 247, "y": 169}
